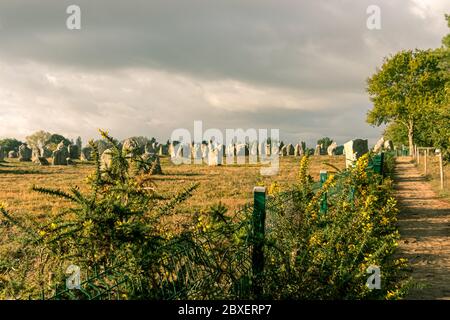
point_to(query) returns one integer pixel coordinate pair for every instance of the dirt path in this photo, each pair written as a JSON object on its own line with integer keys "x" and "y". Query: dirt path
{"x": 424, "y": 223}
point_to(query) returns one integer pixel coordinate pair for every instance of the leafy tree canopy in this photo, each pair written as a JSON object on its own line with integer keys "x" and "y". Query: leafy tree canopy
{"x": 10, "y": 144}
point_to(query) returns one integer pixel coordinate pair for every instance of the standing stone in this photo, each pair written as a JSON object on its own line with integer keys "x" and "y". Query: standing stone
{"x": 106, "y": 160}
{"x": 60, "y": 155}
{"x": 130, "y": 146}
{"x": 197, "y": 153}
{"x": 284, "y": 151}
{"x": 275, "y": 149}
{"x": 254, "y": 149}
{"x": 150, "y": 147}
{"x": 163, "y": 150}
{"x": 379, "y": 145}
{"x": 215, "y": 156}
{"x": 253, "y": 153}
{"x": 339, "y": 150}
{"x": 73, "y": 151}
{"x": 86, "y": 154}
{"x": 263, "y": 151}
{"x": 12, "y": 154}
{"x": 46, "y": 153}
{"x": 317, "y": 150}
{"x": 354, "y": 149}
{"x": 172, "y": 150}
{"x": 205, "y": 152}
{"x": 331, "y": 150}
{"x": 268, "y": 149}
{"x": 230, "y": 153}
{"x": 25, "y": 153}
{"x": 298, "y": 151}
{"x": 42, "y": 161}
{"x": 240, "y": 153}
{"x": 290, "y": 149}
{"x": 182, "y": 153}
{"x": 35, "y": 153}
{"x": 388, "y": 145}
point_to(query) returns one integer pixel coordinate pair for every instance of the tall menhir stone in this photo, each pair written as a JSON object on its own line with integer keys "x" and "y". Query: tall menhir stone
{"x": 74, "y": 152}
{"x": 354, "y": 149}
{"x": 60, "y": 155}
{"x": 25, "y": 153}
{"x": 86, "y": 154}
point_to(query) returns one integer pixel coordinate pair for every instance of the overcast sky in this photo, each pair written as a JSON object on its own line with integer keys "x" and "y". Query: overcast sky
{"x": 149, "y": 67}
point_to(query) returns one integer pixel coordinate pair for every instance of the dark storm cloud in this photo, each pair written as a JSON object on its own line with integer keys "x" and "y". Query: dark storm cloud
{"x": 315, "y": 53}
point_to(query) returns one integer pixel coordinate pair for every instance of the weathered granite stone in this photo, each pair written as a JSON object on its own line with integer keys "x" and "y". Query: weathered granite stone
{"x": 331, "y": 150}
{"x": 60, "y": 155}
{"x": 12, "y": 154}
{"x": 25, "y": 153}
{"x": 86, "y": 154}
{"x": 215, "y": 156}
{"x": 42, "y": 161}
{"x": 130, "y": 146}
{"x": 388, "y": 145}
{"x": 74, "y": 152}
{"x": 379, "y": 145}
{"x": 290, "y": 150}
{"x": 298, "y": 151}
{"x": 339, "y": 150}
{"x": 317, "y": 150}
{"x": 106, "y": 160}
{"x": 354, "y": 149}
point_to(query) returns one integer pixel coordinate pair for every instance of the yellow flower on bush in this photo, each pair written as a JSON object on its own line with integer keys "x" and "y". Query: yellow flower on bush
{"x": 87, "y": 224}
{"x": 274, "y": 188}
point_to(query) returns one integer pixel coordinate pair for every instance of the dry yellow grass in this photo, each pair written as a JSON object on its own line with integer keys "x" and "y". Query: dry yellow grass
{"x": 230, "y": 184}
{"x": 433, "y": 175}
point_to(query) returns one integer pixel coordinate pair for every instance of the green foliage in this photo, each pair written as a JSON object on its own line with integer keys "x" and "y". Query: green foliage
{"x": 10, "y": 144}
{"x": 312, "y": 255}
{"x": 38, "y": 139}
{"x": 56, "y": 139}
{"x": 325, "y": 143}
{"x": 122, "y": 233}
{"x": 118, "y": 224}
{"x": 410, "y": 92}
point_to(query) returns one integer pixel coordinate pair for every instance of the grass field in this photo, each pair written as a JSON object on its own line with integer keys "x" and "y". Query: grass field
{"x": 433, "y": 175}
{"x": 230, "y": 184}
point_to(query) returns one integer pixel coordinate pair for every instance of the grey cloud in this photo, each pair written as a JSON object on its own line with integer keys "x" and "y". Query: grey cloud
{"x": 319, "y": 47}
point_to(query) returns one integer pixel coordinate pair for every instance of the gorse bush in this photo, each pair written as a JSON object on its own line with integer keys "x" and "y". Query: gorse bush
{"x": 326, "y": 255}
{"x": 121, "y": 232}
{"x": 118, "y": 225}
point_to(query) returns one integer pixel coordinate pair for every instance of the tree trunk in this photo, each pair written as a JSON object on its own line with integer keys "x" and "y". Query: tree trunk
{"x": 411, "y": 137}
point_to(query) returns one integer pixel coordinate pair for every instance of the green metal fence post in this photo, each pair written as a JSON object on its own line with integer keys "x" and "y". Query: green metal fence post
{"x": 324, "y": 203}
{"x": 259, "y": 221}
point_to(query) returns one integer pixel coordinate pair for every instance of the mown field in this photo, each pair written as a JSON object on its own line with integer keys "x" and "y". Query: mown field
{"x": 230, "y": 184}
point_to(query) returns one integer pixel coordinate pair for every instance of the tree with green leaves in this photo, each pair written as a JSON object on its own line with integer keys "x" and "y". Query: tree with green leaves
{"x": 409, "y": 85}
{"x": 10, "y": 144}
{"x": 324, "y": 143}
{"x": 38, "y": 139}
